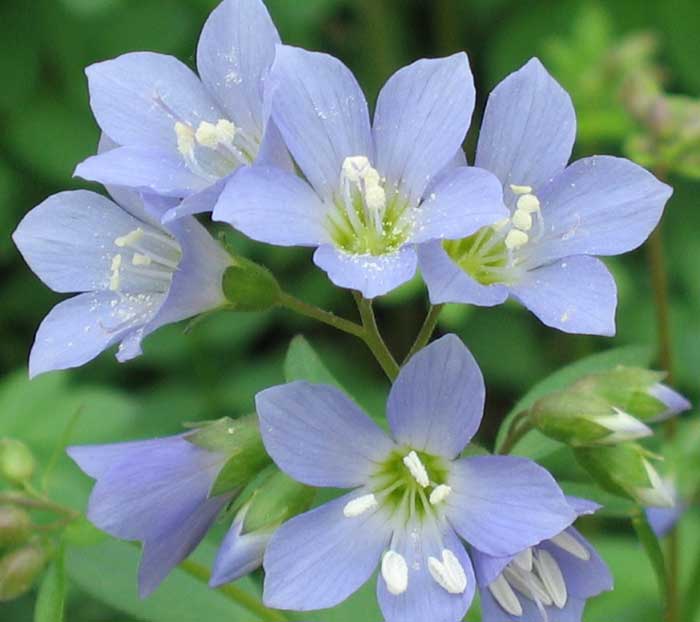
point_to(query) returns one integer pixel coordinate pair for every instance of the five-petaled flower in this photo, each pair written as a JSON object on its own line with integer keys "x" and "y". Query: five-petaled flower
{"x": 137, "y": 274}
{"x": 412, "y": 494}
{"x": 373, "y": 192}
{"x": 549, "y": 582}
{"x": 559, "y": 215}
{"x": 183, "y": 136}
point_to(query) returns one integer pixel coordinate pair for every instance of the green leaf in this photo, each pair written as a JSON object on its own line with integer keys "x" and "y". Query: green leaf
{"x": 303, "y": 363}
{"x": 50, "y": 603}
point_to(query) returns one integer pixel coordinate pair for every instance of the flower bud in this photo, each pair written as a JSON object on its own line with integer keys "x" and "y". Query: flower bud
{"x": 627, "y": 470}
{"x": 17, "y": 463}
{"x": 249, "y": 286}
{"x": 19, "y": 569}
{"x": 15, "y": 526}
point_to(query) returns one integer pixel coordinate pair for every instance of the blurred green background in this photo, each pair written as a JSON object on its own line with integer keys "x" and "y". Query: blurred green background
{"x": 216, "y": 368}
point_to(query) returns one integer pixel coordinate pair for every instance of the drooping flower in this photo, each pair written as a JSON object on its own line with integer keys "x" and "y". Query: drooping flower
{"x": 559, "y": 216}
{"x": 412, "y": 495}
{"x": 156, "y": 492}
{"x": 181, "y": 135}
{"x": 372, "y": 191}
{"x": 137, "y": 275}
{"x": 548, "y": 582}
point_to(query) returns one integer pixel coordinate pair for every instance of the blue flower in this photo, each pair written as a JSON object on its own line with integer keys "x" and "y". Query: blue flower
{"x": 137, "y": 275}
{"x": 184, "y": 136}
{"x": 559, "y": 215}
{"x": 156, "y": 492}
{"x": 412, "y": 495}
{"x": 372, "y": 192}
{"x": 549, "y": 582}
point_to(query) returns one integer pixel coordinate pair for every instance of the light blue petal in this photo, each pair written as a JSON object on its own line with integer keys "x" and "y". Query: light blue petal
{"x": 64, "y": 239}
{"x": 437, "y": 400}
{"x": 528, "y": 129}
{"x": 423, "y": 114}
{"x": 318, "y": 435}
{"x": 318, "y": 559}
{"x": 239, "y": 554}
{"x": 575, "y": 294}
{"x": 492, "y": 612}
{"x": 273, "y": 151}
{"x": 599, "y": 206}
{"x": 663, "y": 520}
{"x": 424, "y": 599}
{"x": 503, "y": 504}
{"x": 274, "y": 206}
{"x": 321, "y": 112}
{"x": 143, "y": 168}
{"x": 198, "y": 203}
{"x": 235, "y": 52}
{"x": 464, "y": 201}
{"x": 675, "y": 403}
{"x": 137, "y": 98}
{"x": 447, "y": 282}
{"x": 373, "y": 275}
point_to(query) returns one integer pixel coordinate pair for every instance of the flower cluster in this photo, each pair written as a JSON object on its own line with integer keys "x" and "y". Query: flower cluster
{"x": 278, "y": 142}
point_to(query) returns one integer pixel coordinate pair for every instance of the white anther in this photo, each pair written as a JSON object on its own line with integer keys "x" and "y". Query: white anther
{"x": 417, "y": 469}
{"x": 448, "y": 573}
{"x": 395, "y": 572}
{"x": 360, "y": 505}
{"x": 624, "y": 427}
{"x": 571, "y": 545}
{"x": 658, "y": 494}
{"x": 185, "y": 139}
{"x": 141, "y": 260}
{"x": 528, "y": 203}
{"x": 115, "y": 279}
{"x": 225, "y": 130}
{"x": 522, "y": 220}
{"x": 551, "y": 576}
{"x": 505, "y": 596}
{"x": 356, "y": 168}
{"x": 524, "y": 559}
{"x": 130, "y": 238}
{"x": 527, "y": 583}
{"x": 206, "y": 135}
{"x": 497, "y": 226}
{"x": 516, "y": 239}
{"x": 520, "y": 189}
{"x": 375, "y": 196}
{"x": 440, "y": 493}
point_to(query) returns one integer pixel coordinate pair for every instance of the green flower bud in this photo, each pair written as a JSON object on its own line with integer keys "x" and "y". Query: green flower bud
{"x": 249, "y": 286}
{"x": 15, "y": 526}
{"x": 17, "y": 463}
{"x": 19, "y": 570}
{"x": 626, "y": 470}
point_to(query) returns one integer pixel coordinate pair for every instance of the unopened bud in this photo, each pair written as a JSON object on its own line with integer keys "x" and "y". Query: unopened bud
{"x": 249, "y": 286}
{"x": 19, "y": 570}
{"x": 15, "y": 526}
{"x": 17, "y": 463}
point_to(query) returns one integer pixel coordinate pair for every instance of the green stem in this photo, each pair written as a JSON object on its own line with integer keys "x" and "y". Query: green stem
{"x": 302, "y": 308}
{"x": 652, "y": 547}
{"x": 372, "y": 337}
{"x": 39, "y": 503}
{"x": 426, "y": 331}
{"x": 692, "y": 598}
{"x": 519, "y": 427}
{"x": 237, "y": 595}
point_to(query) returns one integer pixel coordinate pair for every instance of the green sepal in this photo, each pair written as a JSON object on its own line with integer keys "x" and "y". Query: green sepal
{"x": 249, "y": 286}
{"x": 17, "y": 463}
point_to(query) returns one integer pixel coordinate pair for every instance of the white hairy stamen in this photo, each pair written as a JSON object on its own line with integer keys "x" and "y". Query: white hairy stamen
{"x": 516, "y": 239}
{"x": 448, "y": 573}
{"x": 528, "y": 203}
{"x": 141, "y": 260}
{"x": 359, "y": 506}
{"x": 520, "y": 189}
{"x": 211, "y": 136}
{"x": 440, "y": 493}
{"x": 497, "y": 226}
{"x": 524, "y": 559}
{"x": 185, "y": 139}
{"x": 571, "y": 545}
{"x": 417, "y": 469}
{"x": 395, "y": 572}
{"x": 527, "y": 583}
{"x": 522, "y": 220}
{"x": 551, "y": 576}
{"x": 115, "y": 279}
{"x": 624, "y": 427}
{"x": 505, "y": 596}
{"x": 131, "y": 238}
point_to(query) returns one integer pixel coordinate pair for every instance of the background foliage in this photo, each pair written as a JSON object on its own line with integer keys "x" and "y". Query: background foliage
{"x": 218, "y": 366}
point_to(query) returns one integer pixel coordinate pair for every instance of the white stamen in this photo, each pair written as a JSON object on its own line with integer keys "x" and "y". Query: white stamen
{"x": 141, "y": 260}
{"x": 359, "y": 506}
{"x": 520, "y": 189}
{"x": 527, "y": 584}
{"x": 528, "y": 203}
{"x": 516, "y": 239}
{"x": 571, "y": 545}
{"x": 375, "y": 196}
{"x": 395, "y": 572}
{"x": 524, "y": 559}
{"x": 448, "y": 573}
{"x": 355, "y": 168}
{"x": 206, "y": 135}
{"x": 497, "y": 226}
{"x": 226, "y": 130}
{"x": 417, "y": 469}
{"x": 440, "y": 493}
{"x": 505, "y": 596}
{"x": 522, "y": 220}
{"x": 130, "y": 238}
{"x": 115, "y": 279}
{"x": 185, "y": 139}
{"x": 624, "y": 427}
{"x": 551, "y": 576}
{"x": 658, "y": 494}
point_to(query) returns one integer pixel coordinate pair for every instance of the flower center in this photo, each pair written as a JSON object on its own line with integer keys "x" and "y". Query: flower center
{"x": 363, "y": 219}
{"x": 499, "y": 253}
